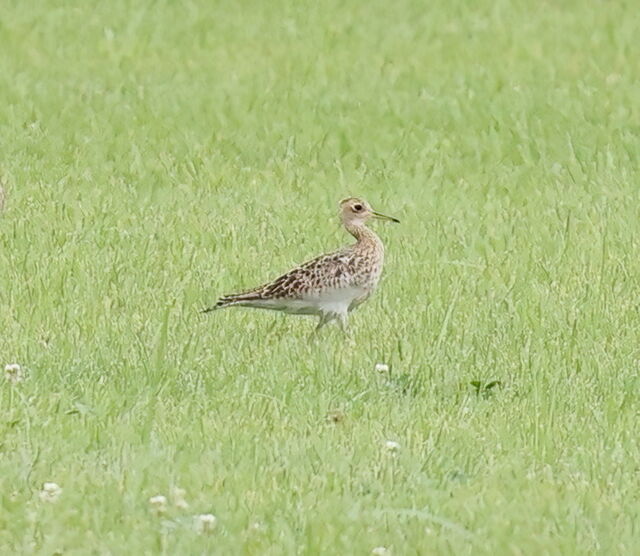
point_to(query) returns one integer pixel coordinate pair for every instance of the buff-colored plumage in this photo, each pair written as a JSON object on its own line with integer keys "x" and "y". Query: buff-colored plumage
{"x": 330, "y": 285}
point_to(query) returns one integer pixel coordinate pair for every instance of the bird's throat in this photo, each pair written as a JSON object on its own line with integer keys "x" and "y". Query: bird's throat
{"x": 364, "y": 236}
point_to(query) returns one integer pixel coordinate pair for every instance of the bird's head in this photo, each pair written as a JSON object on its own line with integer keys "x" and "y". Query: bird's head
{"x": 356, "y": 212}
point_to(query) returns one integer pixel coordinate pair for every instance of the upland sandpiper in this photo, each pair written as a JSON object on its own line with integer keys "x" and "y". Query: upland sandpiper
{"x": 331, "y": 285}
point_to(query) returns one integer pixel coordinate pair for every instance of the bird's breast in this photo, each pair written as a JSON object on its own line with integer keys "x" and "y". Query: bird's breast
{"x": 337, "y": 300}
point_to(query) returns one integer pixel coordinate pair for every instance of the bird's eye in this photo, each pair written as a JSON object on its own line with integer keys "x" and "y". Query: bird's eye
{"x": 357, "y": 207}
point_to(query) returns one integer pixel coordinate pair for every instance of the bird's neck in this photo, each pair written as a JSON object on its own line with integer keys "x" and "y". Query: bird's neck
{"x": 364, "y": 235}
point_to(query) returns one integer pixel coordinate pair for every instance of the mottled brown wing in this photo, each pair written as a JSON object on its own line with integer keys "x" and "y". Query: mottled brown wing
{"x": 326, "y": 271}
{"x": 333, "y": 270}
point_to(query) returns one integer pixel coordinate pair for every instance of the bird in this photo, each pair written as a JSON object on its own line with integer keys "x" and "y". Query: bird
{"x": 329, "y": 286}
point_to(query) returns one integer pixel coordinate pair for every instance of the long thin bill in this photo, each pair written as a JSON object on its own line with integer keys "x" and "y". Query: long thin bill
{"x": 384, "y": 217}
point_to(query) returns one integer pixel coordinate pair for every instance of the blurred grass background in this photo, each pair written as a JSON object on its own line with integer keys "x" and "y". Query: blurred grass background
{"x": 158, "y": 154}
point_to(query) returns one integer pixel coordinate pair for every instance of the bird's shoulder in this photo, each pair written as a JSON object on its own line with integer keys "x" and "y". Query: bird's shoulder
{"x": 330, "y": 270}
{"x": 341, "y": 257}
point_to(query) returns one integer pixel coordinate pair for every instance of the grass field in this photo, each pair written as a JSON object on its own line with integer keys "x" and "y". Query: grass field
{"x": 155, "y": 155}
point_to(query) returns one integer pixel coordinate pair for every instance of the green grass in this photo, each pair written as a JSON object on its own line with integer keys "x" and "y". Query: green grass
{"x": 158, "y": 154}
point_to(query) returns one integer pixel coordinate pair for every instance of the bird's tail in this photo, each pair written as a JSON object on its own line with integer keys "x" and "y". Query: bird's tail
{"x": 245, "y": 298}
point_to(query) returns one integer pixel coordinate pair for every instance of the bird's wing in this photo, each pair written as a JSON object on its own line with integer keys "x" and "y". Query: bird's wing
{"x": 332, "y": 270}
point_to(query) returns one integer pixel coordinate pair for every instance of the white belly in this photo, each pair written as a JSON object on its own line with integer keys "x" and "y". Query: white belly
{"x": 327, "y": 302}
{"x": 337, "y": 300}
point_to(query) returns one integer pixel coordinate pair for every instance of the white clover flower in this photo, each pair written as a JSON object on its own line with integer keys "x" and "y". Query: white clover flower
{"x": 177, "y": 497}
{"x": 392, "y": 446}
{"x": 380, "y": 550}
{"x": 258, "y": 526}
{"x": 382, "y": 367}
{"x": 50, "y": 492}
{"x": 13, "y": 373}
{"x": 205, "y": 523}
{"x": 158, "y": 503}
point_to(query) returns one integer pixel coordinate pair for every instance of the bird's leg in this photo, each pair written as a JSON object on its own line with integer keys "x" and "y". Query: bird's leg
{"x": 342, "y": 321}
{"x": 324, "y": 319}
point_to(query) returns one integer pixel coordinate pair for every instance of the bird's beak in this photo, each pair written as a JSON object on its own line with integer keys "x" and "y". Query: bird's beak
{"x": 380, "y": 216}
